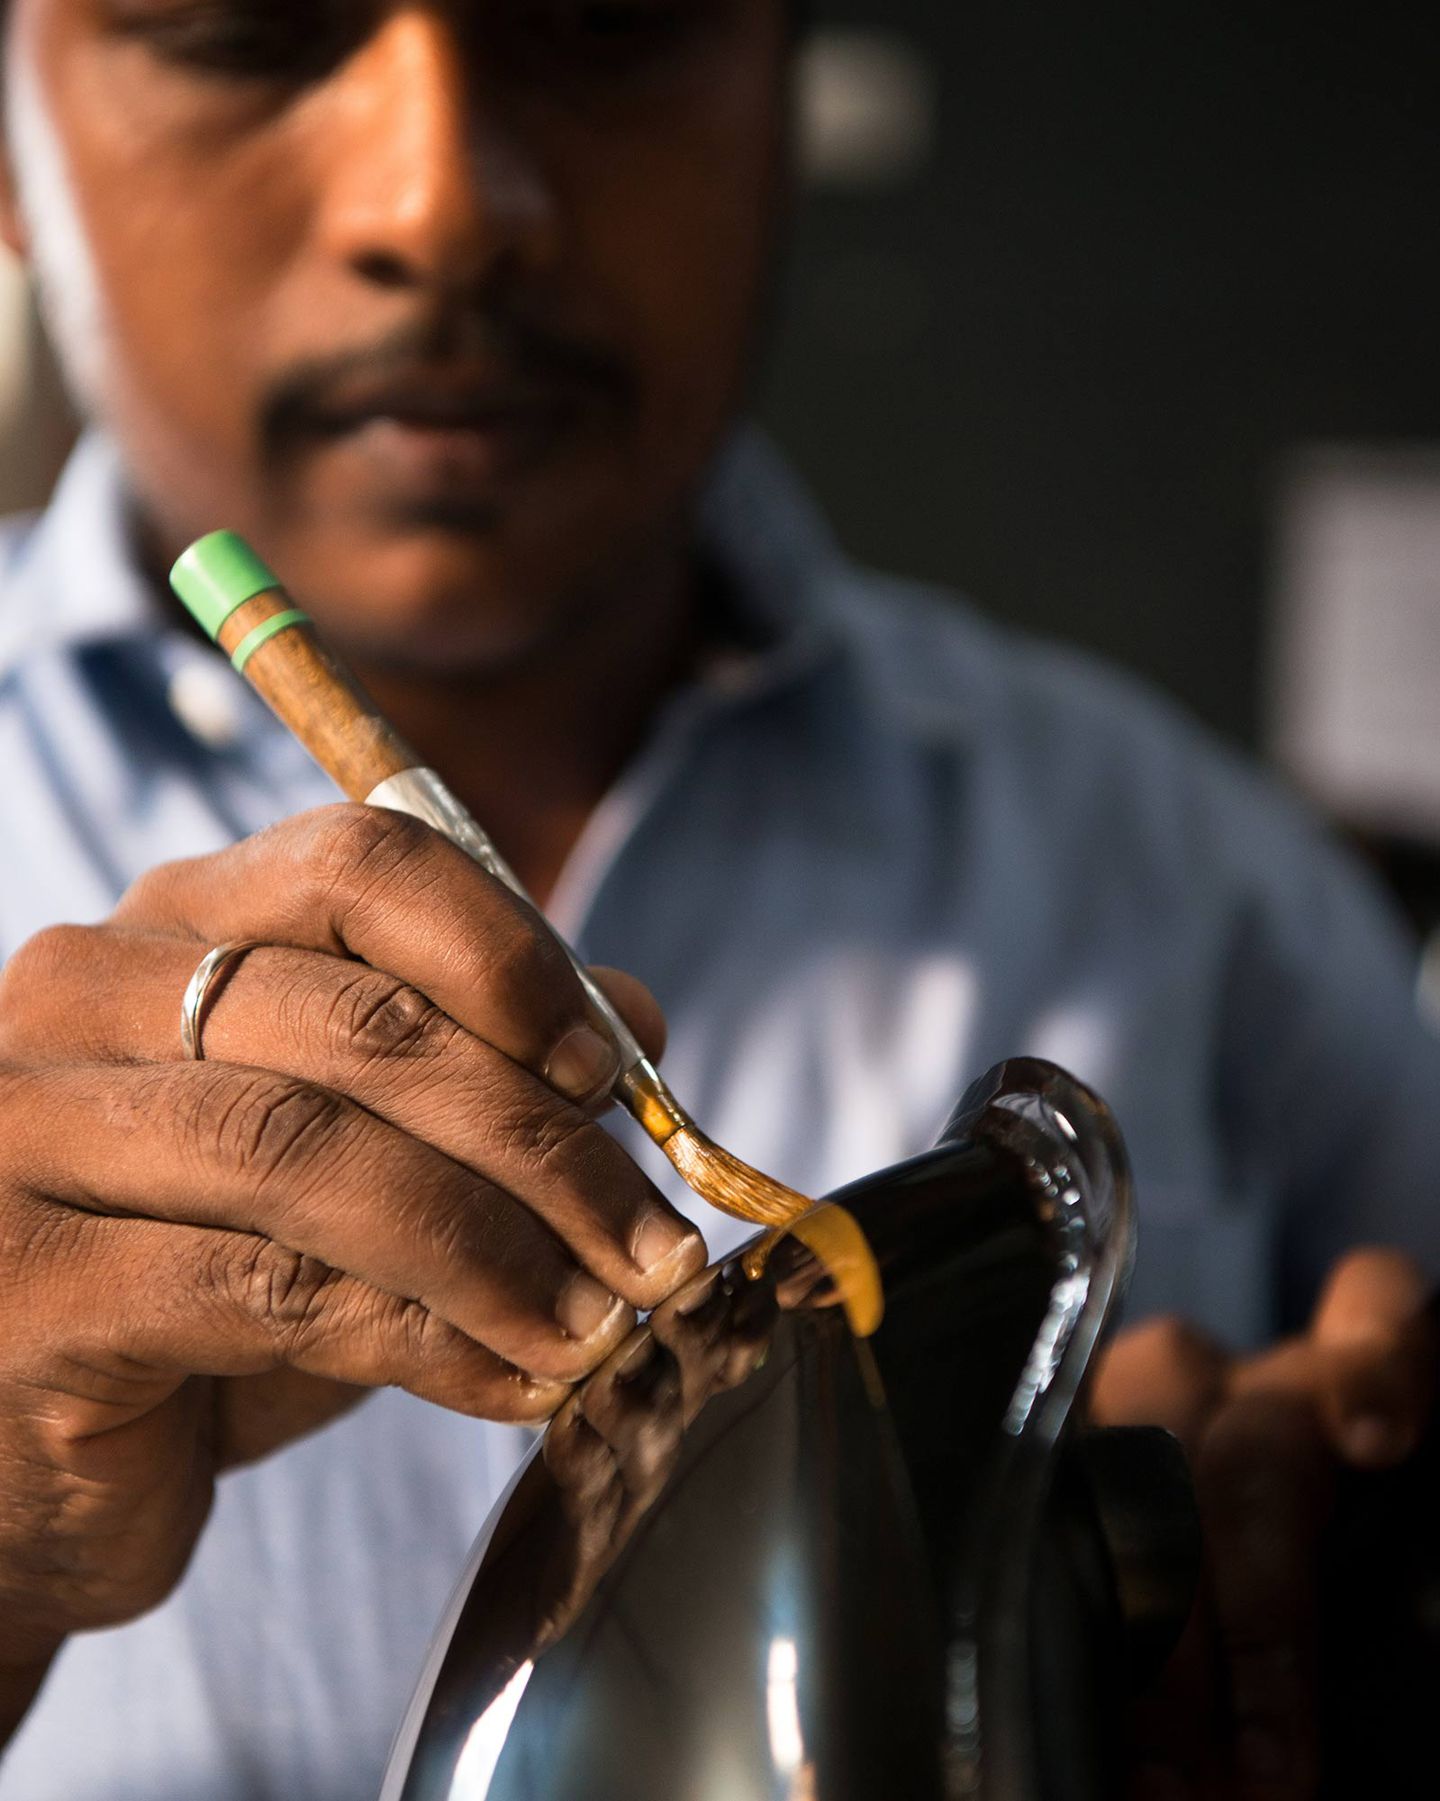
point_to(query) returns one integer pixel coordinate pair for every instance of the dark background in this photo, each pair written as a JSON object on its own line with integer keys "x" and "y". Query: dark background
{"x": 1158, "y": 245}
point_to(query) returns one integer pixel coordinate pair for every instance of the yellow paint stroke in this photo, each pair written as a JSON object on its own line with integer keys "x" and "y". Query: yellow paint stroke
{"x": 837, "y": 1240}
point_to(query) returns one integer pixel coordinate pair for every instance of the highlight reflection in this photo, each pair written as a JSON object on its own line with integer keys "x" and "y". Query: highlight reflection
{"x": 782, "y": 1706}
{"x": 486, "y": 1738}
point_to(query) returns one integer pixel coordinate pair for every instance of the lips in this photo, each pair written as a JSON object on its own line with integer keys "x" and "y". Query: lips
{"x": 448, "y": 430}
{"x": 442, "y": 400}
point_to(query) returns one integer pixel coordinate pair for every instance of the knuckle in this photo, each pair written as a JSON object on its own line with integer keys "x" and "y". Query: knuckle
{"x": 32, "y": 1232}
{"x": 270, "y": 1127}
{"x": 41, "y": 967}
{"x": 549, "y": 1139}
{"x": 285, "y": 1292}
{"x": 372, "y": 1018}
{"x": 39, "y": 1242}
{"x": 408, "y": 1331}
{"x": 346, "y": 848}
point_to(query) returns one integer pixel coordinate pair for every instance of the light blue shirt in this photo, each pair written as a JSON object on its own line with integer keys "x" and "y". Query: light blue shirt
{"x": 857, "y": 866}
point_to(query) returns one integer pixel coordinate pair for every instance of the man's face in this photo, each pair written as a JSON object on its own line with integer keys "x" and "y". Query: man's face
{"x": 444, "y": 305}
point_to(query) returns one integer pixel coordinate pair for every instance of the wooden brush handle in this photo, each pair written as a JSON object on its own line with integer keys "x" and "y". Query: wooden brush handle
{"x": 335, "y": 719}
{"x": 317, "y": 697}
{"x": 242, "y": 606}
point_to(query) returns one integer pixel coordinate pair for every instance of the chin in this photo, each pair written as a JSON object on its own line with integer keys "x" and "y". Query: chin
{"x": 444, "y": 630}
{"x": 454, "y": 597}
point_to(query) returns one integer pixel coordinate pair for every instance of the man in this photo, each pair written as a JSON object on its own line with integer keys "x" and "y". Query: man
{"x": 449, "y": 306}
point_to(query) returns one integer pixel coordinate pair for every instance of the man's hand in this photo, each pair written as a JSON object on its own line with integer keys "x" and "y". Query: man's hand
{"x": 1236, "y": 1712}
{"x": 386, "y": 1170}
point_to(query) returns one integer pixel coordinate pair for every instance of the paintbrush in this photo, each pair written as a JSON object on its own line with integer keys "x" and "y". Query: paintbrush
{"x": 241, "y": 605}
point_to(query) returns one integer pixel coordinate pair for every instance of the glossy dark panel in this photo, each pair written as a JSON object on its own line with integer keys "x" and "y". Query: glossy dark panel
{"x": 756, "y": 1556}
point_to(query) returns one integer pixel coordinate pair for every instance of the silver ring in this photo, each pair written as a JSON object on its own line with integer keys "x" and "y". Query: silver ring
{"x": 192, "y": 1008}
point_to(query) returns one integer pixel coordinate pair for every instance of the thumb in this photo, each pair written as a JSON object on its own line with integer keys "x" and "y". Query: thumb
{"x": 636, "y": 1006}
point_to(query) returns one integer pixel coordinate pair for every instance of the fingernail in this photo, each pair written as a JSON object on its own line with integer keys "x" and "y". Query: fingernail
{"x": 659, "y": 1238}
{"x": 535, "y": 1399}
{"x": 583, "y": 1064}
{"x": 1262, "y": 1754}
{"x": 585, "y": 1306}
{"x": 1370, "y": 1438}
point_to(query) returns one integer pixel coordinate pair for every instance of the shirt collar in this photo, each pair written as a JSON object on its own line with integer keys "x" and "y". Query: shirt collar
{"x": 767, "y": 536}
{"x": 73, "y": 579}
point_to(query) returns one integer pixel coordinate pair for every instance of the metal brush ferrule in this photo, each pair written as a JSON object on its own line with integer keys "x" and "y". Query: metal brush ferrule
{"x": 639, "y": 1087}
{"x": 641, "y": 1090}
{"x": 422, "y": 794}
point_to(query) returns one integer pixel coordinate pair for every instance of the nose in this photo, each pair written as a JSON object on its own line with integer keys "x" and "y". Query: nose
{"x": 428, "y": 184}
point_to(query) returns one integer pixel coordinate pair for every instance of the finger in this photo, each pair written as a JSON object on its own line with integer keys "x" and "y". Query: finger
{"x": 349, "y": 1028}
{"x": 636, "y": 1006}
{"x": 633, "y": 1401}
{"x": 367, "y": 883}
{"x": 346, "y": 1027}
{"x": 1263, "y": 1481}
{"x": 719, "y": 1329}
{"x": 131, "y": 1308}
{"x": 250, "y": 1151}
{"x": 1162, "y": 1373}
{"x": 617, "y": 1435}
{"x": 790, "y": 1265}
{"x": 692, "y": 1325}
{"x": 254, "y": 1416}
{"x": 95, "y": 993}
{"x": 1380, "y": 1351}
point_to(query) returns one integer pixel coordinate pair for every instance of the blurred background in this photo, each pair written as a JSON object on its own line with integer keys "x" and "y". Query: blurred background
{"x": 1121, "y": 319}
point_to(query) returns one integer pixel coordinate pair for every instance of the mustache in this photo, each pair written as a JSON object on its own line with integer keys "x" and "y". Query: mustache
{"x": 515, "y": 352}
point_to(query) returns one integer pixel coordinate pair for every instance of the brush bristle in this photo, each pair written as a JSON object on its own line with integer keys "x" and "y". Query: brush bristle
{"x": 732, "y": 1186}
{"x": 830, "y": 1232}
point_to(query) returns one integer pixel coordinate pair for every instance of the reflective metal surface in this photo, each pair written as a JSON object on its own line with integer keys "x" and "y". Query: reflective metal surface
{"x": 756, "y": 1556}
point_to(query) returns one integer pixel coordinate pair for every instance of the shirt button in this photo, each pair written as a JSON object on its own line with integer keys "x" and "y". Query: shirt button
{"x": 204, "y": 696}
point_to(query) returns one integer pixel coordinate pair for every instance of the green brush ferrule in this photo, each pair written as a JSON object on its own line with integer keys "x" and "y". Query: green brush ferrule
{"x": 217, "y": 574}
